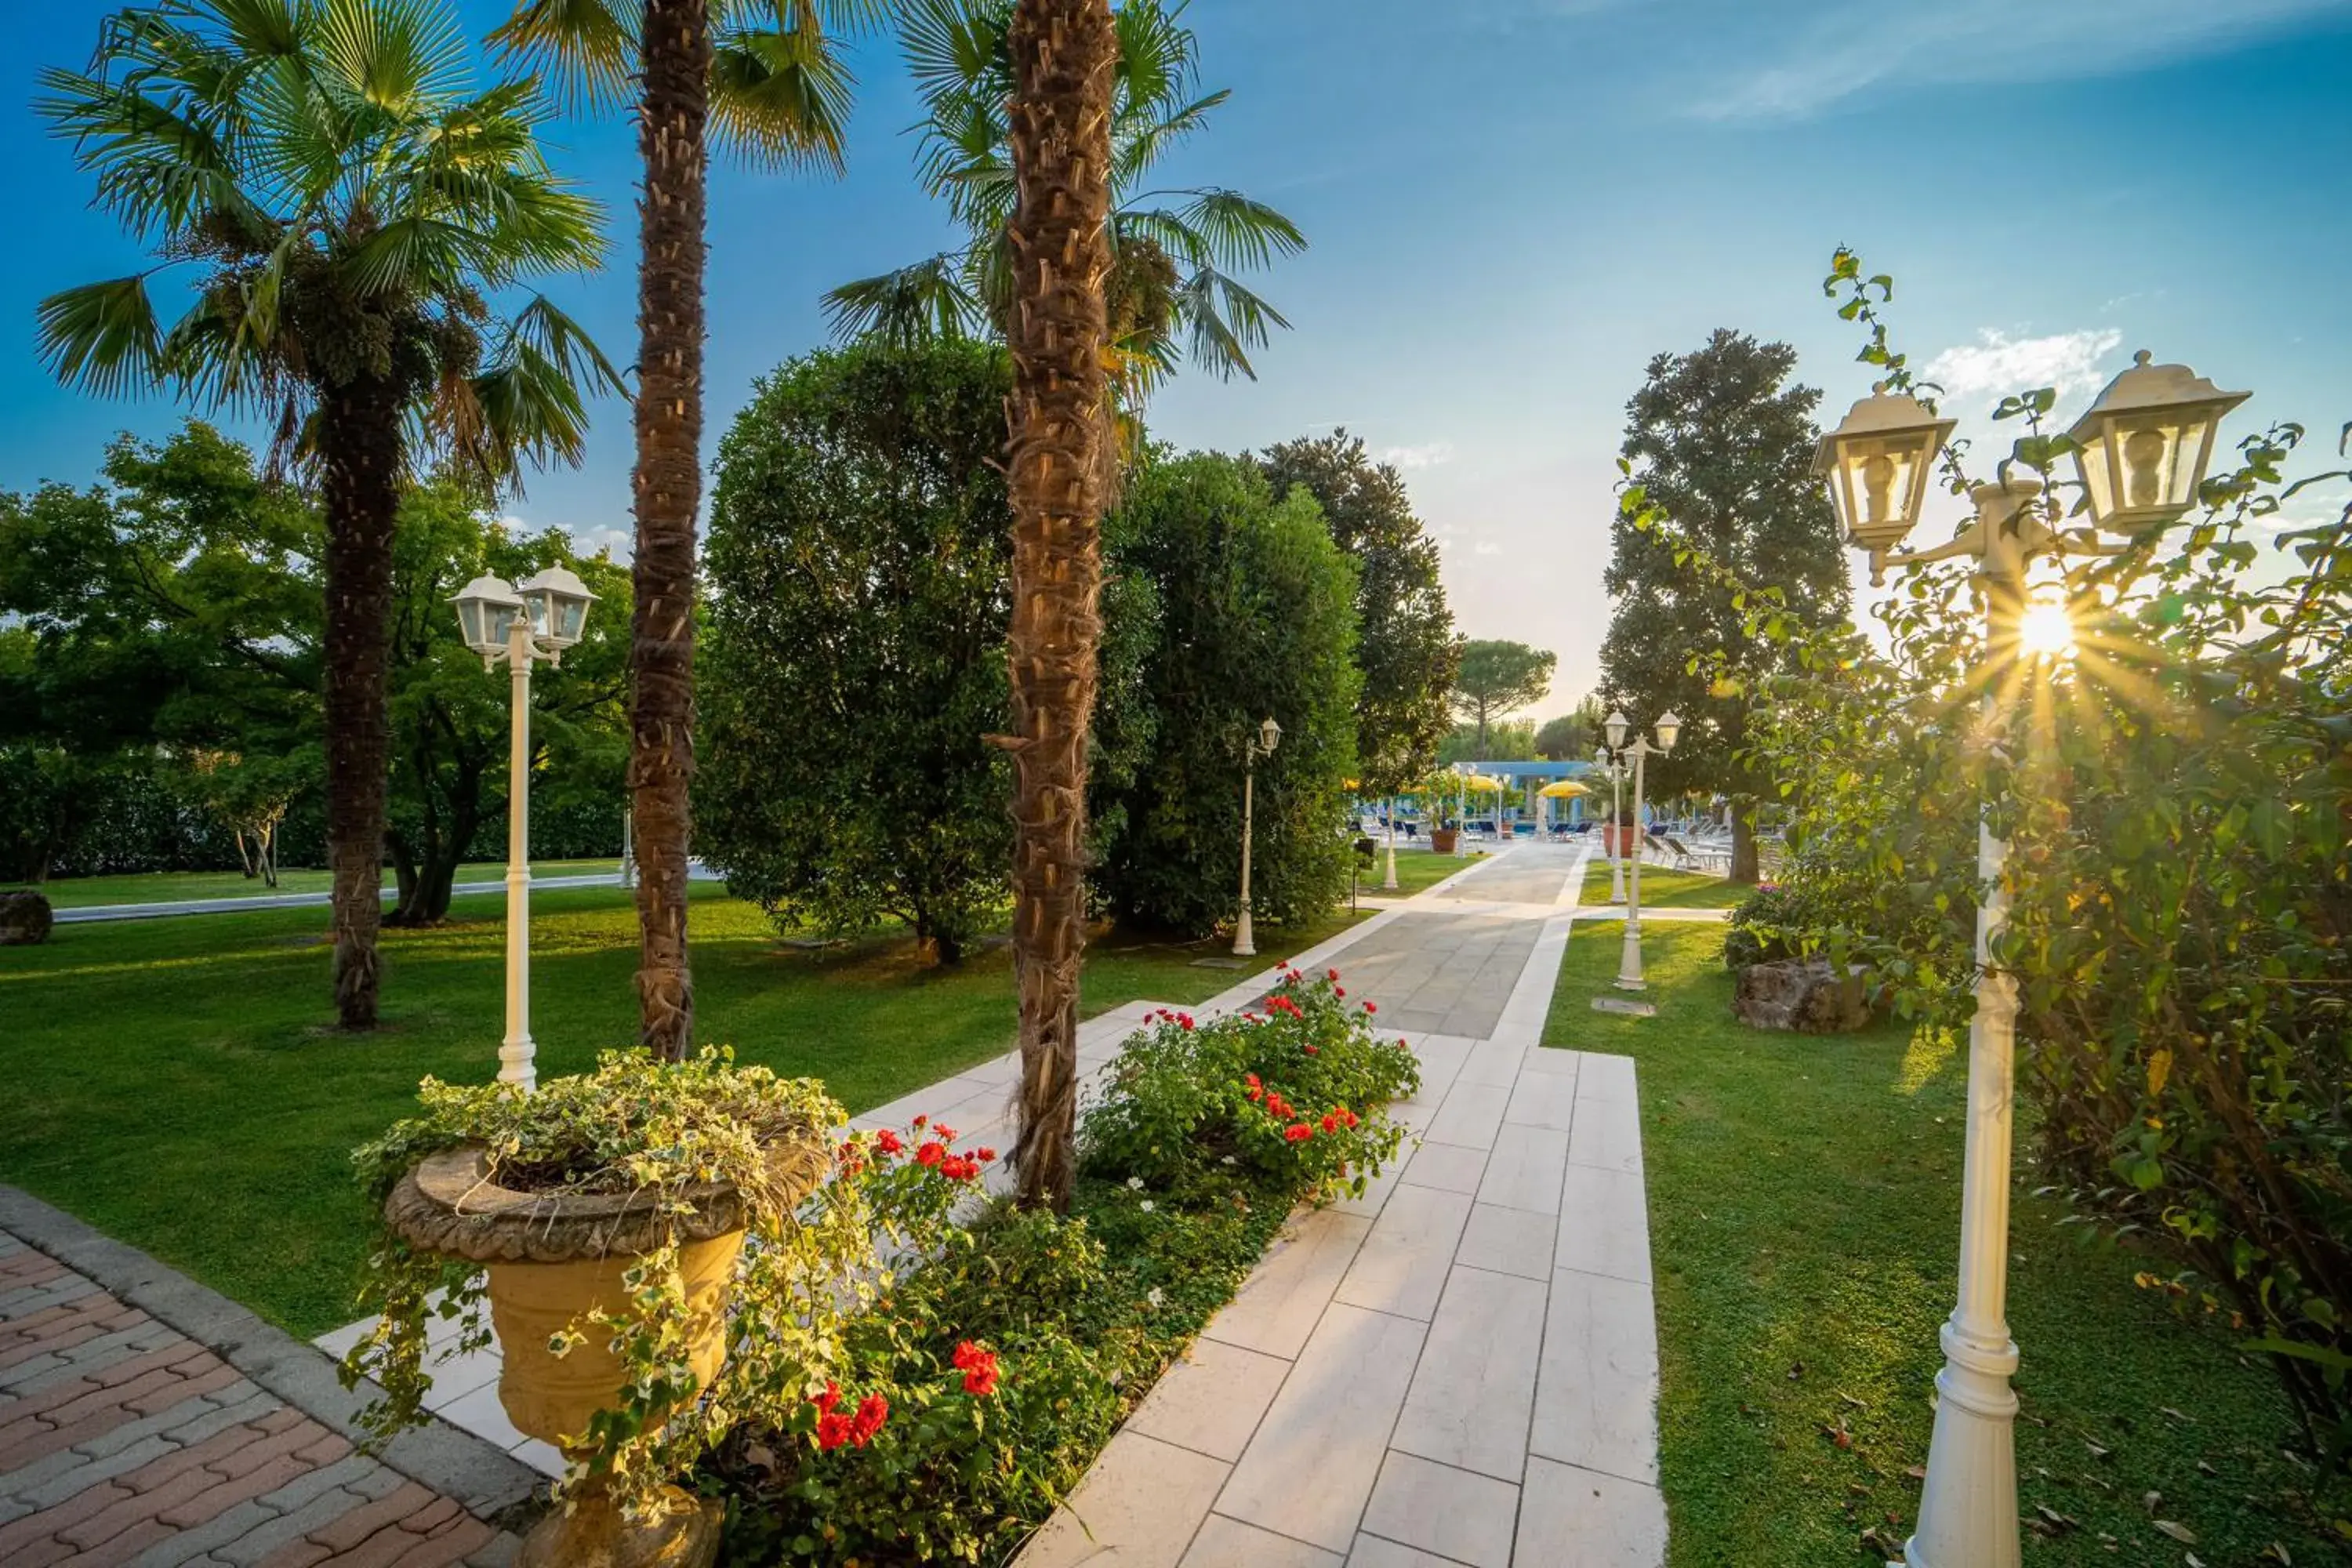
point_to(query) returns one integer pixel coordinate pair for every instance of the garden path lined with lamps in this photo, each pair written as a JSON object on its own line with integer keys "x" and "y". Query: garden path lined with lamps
{"x": 1459, "y": 1366}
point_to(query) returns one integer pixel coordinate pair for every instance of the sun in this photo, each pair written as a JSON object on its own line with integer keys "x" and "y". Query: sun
{"x": 2047, "y": 630}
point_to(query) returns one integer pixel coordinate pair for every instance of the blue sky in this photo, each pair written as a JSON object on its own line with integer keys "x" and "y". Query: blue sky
{"x": 1513, "y": 204}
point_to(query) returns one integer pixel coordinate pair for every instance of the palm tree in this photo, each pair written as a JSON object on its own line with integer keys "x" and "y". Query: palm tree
{"x": 350, "y": 203}
{"x": 1063, "y": 55}
{"x": 1174, "y": 252}
{"x": 777, "y": 94}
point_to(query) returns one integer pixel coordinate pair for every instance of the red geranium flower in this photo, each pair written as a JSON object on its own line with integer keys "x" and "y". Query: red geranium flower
{"x": 983, "y": 1153}
{"x": 1369, "y": 1008}
{"x": 918, "y": 1121}
{"x": 830, "y": 1396}
{"x": 890, "y": 1143}
{"x": 1298, "y": 1131}
{"x": 944, "y": 1134}
{"x": 1332, "y": 975}
{"x": 832, "y": 1431}
{"x": 871, "y": 1411}
{"x": 1185, "y": 1019}
{"x": 1339, "y": 991}
{"x": 1314, "y": 1050}
{"x": 979, "y": 1369}
{"x": 931, "y": 1155}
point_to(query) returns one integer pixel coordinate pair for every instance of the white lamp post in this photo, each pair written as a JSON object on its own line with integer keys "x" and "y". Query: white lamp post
{"x": 1259, "y": 745}
{"x": 535, "y": 619}
{"x": 1629, "y": 962}
{"x": 2142, "y": 449}
{"x": 1606, "y": 762}
{"x": 1389, "y": 882}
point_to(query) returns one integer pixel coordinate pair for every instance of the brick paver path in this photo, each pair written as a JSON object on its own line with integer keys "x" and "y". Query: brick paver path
{"x": 124, "y": 1441}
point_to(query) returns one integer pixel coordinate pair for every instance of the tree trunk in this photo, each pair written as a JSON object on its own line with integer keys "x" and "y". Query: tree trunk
{"x": 1743, "y": 842}
{"x": 668, "y": 484}
{"x": 1064, "y": 53}
{"x": 359, "y": 441}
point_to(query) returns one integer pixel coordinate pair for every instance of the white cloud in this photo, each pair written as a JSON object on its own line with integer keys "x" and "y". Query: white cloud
{"x": 1996, "y": 364}
{"x": 1423, "y": 457}
{"x": 621, "y": 541}
{"x": 1843, "y": 47}
{"x": 1487, "y": 547}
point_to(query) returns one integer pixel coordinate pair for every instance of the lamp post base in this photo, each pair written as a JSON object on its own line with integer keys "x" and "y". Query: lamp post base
{"x": 517, "y": 1063}
{"x": 1629, "y": 962}
{"x": 1244, "y": 946}
{"x": 1967, "y": 1505}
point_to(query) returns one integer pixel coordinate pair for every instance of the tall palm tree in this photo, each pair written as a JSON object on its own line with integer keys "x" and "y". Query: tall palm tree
{"x": 1063, "y": 55}
{"x": 1174, "y": 251}
{"x": 350, "y": 203}
{"x": 762, "y": 76}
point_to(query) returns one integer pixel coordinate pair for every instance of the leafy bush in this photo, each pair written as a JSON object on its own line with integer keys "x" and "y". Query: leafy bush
{"x": 1257, "y": 618}
{"x": 1771, "y": 924}
{"x": 1067, "y": 1322}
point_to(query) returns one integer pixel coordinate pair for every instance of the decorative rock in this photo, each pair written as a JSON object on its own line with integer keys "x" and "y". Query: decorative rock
{"x": 24, "y": 919}
{"x": 1808, "y": 997}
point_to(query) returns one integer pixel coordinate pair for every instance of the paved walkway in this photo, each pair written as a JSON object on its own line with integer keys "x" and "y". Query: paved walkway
{"x": 124, "y": 1440}
{"x": 1461, "y": 1367}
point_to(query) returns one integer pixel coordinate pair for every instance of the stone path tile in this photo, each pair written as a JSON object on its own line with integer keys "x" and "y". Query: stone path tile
{"x": 1471, "y": 1116}
{"x": 1459, "y": 1515}
{"x": 1401, "y": 1268}
{"x": 1449, "y": 1167}
{"x": 1279, "y": 1305}
{"x": 129, "y": 1442}
{"x": 1225, "y": 1542}
{"x": 1211, "y": 1400}
{"x": 1471, "y": 1395}
{"x": 1138, "y": 1507}
{"x": 1607, "y": 1133}
{"x": 1581, "y": 1519}
{"x": 1316, "y": 1455}
{"x": 1373, "y": 1552}
{"x": 1509, "y": 1241}
{"x": 1597, "y": 1385}
{"x": 1525, "y": 1169}
{"x": 1604, "y": 1226}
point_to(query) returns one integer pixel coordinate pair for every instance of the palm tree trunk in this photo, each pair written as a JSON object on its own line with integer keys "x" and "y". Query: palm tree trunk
{"x": 359, "y": 440}
{"x": 677, "y": 68}
{"x": 1064, "y": 52}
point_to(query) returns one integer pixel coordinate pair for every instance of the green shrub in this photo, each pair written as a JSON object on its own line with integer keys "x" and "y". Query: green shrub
{"x": 1771, "y": 924}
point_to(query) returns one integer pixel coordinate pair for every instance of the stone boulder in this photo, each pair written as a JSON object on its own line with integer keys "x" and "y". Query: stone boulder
{"x": 24, "y": 918}
{"x": 1807, "y": 996}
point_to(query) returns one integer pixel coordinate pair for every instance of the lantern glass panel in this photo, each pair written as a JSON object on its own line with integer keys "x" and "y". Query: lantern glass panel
{"x": 1881, "y": 481}
{"x": 1616, "y": 727}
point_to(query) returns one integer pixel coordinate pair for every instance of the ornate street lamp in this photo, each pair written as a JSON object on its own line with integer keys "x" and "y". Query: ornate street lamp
{"x": 2143, "y": 448}
{"x": 1261, "y": 745}
{"x": 534, "y": 620}
{"x": 1629, "y": 961}
{"x": 1606, "y": 760}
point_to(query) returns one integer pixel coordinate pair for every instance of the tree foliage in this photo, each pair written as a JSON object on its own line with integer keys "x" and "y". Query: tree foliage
{"x": 1497, "y": 679}
{"x": 1571, "y": 737}
{"x": 2177, "y": 796}
{"x": 1174, "y": 288}
{"x": 1405, "y": 645}
{"x": 1256, "y": 618}
{"x": 1721, "y": 442}
{"x": 859, "y": 546}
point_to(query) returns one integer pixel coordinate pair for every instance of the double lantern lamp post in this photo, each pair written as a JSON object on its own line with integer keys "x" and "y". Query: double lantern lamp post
{"x": 537, "y": 618}
{"x": 1629, "y": 961}
{"x": 1607, "y": 764}
{"x": 2140, "y": 454}
{"x": 1259, "y": 746}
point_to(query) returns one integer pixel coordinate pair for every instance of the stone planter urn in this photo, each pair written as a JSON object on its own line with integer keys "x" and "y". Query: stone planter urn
{"x": 1443, "y": 839}
{"x": 1621, "y": 838}
{"x": 551, "y": 1258}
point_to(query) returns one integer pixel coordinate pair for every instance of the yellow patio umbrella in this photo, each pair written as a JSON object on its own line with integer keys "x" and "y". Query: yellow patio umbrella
{"x": 1480, "y": 782}
{"x": 1565, "y": 789}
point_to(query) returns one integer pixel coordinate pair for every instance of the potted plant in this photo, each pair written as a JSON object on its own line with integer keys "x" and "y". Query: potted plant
{"x": 601, "y": 1220}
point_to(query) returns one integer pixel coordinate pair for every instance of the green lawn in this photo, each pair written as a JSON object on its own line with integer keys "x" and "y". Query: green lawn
{"x": 162, "y": 887}
{"x": 1416, "y": 869}
{"x": 170, "y": 1081}
{"x": 1805, "y": 1213}
{"x": 1665, "y": 889}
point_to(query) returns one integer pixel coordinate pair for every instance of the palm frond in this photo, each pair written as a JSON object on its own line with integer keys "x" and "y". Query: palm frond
{"x": 926, "y": 303}
{"x": 1226, "y": 320}
{"x": 1235, "y": 231}
{"x": 1140, "y": 140}
{"x": 781, "y": 98}
{"x": 529, "y": 404}
{"x": 403, "y": 56}
{"x": 957, "y": 48}
{"x": 103, "y": 337}
{"x": 586, "y": 50}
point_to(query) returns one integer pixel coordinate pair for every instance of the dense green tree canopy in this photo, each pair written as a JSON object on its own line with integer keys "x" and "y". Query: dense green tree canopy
{"x": 1257, "y": 618}
{"x": 1498, "y": 679}
{"x": 1405, "y": 645}
{"x": 171, "y": 619}
{"x": 1722, "y": 442}
{"x": 1571, "y": 737}
{"x": 859, "y": 546}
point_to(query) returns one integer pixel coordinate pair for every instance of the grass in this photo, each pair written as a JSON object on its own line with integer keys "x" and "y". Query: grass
{"x": 1665, "y": 889}
{"x": 171, "y": 1081}
{"x": 1804, "y": 1217}
{"x": 165, "y": 886}
{"x": 1417, "y": 869}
